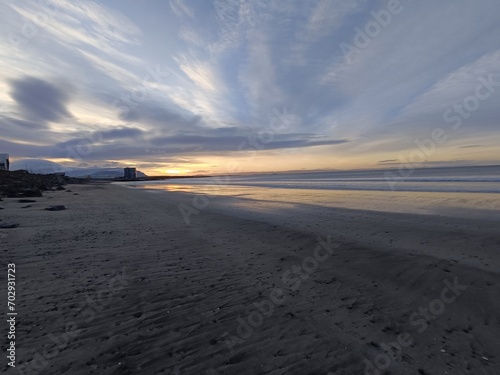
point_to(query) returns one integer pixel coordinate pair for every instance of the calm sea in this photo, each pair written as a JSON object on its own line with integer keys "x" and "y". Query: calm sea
{"x": 455, "y": 191}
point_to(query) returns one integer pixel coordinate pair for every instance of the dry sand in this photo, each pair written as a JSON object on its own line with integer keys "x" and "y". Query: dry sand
{"x": 119, "y": 284}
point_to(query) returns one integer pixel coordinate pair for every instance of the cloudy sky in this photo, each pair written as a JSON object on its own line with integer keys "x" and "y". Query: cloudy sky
{"x": 201, "y": 86}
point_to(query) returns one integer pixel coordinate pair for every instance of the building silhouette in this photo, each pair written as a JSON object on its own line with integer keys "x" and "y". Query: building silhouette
{"x": 129, "y": 173}
{"x": 4, "y": 162}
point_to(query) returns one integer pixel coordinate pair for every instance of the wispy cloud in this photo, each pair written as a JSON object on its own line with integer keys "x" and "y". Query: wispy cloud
{"x": 169, "y": 76}
{"x": 180, "y": 8}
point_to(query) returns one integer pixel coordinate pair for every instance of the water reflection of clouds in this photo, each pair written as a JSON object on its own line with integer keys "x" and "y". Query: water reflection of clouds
{"x": 266, "y": 199}
{"x": 169, "y": 187}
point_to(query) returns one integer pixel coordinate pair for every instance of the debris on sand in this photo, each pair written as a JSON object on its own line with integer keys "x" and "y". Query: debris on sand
{"x": 56, "y": 208}
{"x": 8, "y": 225}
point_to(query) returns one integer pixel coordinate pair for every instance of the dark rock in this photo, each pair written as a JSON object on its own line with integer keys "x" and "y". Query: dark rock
{"x": 60, "y": 188}
{"x": 31, "y": 193}
{"x": 26, "y": 201}
{"x": 27, "y": 206}
{"x": 9, "y": 225}
{"x": 11, "y": 192}
{"x": 76, "y": 194}
{"x": 56, "y": 208}
{"x": 68, "y": 191}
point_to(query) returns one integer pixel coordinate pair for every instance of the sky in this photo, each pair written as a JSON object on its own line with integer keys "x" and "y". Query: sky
{"x": 212, "y": 87}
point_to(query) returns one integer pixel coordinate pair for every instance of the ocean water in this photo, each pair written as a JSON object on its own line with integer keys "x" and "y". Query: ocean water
{"x": 457, "y": 191}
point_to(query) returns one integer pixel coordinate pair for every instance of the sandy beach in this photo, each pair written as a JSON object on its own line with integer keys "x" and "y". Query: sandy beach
{"x": 238, "y": 187}
{"x": 118, "y": 283}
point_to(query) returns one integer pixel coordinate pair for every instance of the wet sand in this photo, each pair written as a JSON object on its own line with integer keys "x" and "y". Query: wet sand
{"x": 119, "y": 284}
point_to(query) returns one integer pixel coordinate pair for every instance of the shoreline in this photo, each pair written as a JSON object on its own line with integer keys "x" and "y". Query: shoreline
{"x": 186, "y": 288}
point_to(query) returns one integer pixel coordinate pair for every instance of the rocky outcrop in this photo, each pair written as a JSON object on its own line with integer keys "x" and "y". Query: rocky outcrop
{"x": 17, "y": 184}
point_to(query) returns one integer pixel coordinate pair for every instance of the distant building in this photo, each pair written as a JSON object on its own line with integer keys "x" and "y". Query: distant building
{"x": 130, "y": 173}
{"x": 4, "y": 161}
